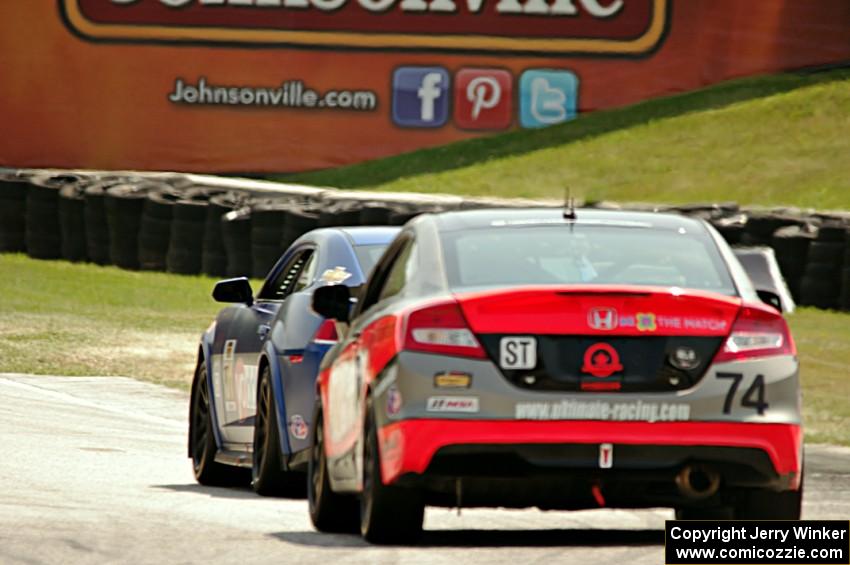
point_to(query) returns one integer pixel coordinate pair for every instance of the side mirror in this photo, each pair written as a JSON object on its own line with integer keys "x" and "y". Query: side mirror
{"x": 333, "y": 302}
{"x": 234, "y": 291}
{"x": 770, "y": 298}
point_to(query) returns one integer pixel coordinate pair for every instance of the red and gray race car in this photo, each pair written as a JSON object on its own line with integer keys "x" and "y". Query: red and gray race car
{"x": 543, "y": 358}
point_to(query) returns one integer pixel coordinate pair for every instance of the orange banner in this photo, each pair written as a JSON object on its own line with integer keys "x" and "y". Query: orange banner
{"x": 291, "y": 85}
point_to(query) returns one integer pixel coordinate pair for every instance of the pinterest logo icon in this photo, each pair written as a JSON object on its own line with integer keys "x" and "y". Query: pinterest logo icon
{"x": 483, "y": 99}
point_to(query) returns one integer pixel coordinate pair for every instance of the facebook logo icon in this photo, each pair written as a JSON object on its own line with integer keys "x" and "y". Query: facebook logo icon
{"x": 420, "y": 97}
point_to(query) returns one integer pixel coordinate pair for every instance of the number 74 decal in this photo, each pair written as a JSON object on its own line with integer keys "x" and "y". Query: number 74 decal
{"x": 754, "y": 397}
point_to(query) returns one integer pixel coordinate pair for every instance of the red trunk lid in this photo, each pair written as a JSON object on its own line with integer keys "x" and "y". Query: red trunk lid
{"x": 600, "y": 338}
{"x": 616, "y": 310}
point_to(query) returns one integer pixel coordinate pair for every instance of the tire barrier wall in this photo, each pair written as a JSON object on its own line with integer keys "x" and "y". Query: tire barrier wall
{"x": 180, "y": 224}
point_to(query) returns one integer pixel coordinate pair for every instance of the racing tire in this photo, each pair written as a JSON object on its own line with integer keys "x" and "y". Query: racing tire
{"x": 832, "y": 232}
{"x": 827, "y": 252}
{"x": 267, "y": 475}
{"x": 13, "y": 209}
{"x": 202, "y": 443}
{"x": 72, "y": 222}
{"x": 388, "y": 514}
{"x": 375, "y": 214}
{"x": 186, "y": 241}
{"x": 97, "y": 227}
{"x": 43, "y": 234}
{"x": 124, "y": 208}
{"x": 330, "y": 512}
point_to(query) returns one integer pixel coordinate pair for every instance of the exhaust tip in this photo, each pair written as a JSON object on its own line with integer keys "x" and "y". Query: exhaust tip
{"x": 698, "y": 481}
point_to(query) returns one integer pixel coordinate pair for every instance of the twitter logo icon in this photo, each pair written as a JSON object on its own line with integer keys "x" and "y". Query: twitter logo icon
{"x": 547, "y": 97}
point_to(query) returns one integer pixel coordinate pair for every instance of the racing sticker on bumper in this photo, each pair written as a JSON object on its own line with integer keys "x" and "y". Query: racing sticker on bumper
{"x": 298, "y": 427}
{"x": 464, "y": 404}
{"x": 519, "y": 352}
{"x": 632, "y": 411}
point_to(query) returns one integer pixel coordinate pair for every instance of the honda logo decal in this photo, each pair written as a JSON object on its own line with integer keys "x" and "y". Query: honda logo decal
{"x": 603, "y": 319}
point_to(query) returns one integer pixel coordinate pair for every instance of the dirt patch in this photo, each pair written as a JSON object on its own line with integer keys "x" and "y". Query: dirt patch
{"x": 46, "y": 344}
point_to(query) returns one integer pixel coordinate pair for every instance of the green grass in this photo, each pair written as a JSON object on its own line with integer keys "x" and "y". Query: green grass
{"x": 774, "y": 140}
{"x": 823, "y": 342}
{"x": 64, "y": 319}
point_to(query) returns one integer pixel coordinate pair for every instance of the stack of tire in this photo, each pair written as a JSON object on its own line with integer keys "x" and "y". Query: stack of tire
{"x": 708, "y": 211}
{"x": 155, "y": 229}
{"x": 268, "y": 222}
{"x": 731, "y": 228}
{"x": 214, "y": 257}
{"x": 340, "y": 213}
{"x": 97, "y": 225}
{"x": 236, "y": 237}
{"x": 376, "y": 214}
{"x": 43, "y": 228}
{"x": 13, "y": 206}
{"x": 125, "y": 205}
{"x": 761, "y": 226}
{"x": 186, "y": 245}
{"x": 298, "y": 222}
{"x": 72, "y": 222}
{"x": 791, "y": 247}
{"x": 821, "y": 284}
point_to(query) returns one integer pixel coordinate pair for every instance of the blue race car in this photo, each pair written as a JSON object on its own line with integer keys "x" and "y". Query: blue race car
{"x": 254, "y": 387}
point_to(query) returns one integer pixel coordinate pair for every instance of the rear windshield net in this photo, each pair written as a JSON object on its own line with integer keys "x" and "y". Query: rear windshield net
{"x": 584, "y": 255}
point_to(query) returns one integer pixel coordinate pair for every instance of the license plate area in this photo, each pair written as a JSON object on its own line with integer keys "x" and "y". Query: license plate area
{"x": 569, "y": 363}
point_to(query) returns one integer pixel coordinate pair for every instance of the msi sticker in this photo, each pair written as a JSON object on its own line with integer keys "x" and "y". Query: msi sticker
{"x": 468, "y": 404}
{"x": 606, "y": 455}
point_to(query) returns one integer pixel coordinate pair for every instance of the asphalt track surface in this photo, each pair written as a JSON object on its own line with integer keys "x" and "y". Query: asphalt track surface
{"x": 94, "y": 470}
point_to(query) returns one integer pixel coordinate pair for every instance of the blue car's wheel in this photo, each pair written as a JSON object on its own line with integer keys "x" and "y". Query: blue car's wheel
{"x": 202, "y": 439}
{"x": 268, "y": 477}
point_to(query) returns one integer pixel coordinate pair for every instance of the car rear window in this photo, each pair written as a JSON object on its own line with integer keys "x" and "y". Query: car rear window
{"x": 499, "y": 256}
{"x": 368, "y": 255}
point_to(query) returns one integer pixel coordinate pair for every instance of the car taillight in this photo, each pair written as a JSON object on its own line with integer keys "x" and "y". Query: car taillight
{"x": 326, "y": 333}
{"x": 441, "y": 328}
{"x": 756, "y": 333}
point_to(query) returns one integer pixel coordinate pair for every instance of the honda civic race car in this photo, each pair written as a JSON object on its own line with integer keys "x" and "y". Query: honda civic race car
{"x": 254, "y": 386}
{"x": 543, "y": 358}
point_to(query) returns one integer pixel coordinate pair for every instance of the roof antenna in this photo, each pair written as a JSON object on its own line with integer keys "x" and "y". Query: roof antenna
{"x": 569, "y": 206}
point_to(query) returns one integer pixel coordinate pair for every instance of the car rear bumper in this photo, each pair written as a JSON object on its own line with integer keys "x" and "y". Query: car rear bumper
{"x": 430, "y": 450}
